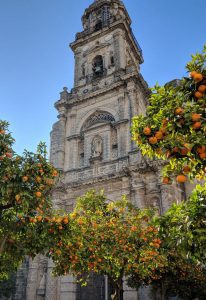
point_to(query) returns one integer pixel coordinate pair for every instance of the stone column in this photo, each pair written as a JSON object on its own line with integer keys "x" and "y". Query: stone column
{"x": 32, "y": 280}
{"x": 51, "y": 284}
{"x": 67, "y": 288}
{"x": 129, "y": 293}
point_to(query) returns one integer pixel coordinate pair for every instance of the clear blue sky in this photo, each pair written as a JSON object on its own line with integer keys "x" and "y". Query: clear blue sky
{"x": 36, "y": 62}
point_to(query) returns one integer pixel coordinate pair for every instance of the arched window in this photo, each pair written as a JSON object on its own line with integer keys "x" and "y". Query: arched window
{"x": 97, "y": 66}
{"x": 98, "y": 117}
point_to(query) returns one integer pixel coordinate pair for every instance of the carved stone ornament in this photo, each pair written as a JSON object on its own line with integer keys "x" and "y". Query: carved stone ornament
{"x": 97, "y": 147}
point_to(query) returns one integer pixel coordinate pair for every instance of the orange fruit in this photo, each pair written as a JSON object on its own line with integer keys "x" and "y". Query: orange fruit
{"x": 198, "y": 77}
{"x": 2, "y": 131}
{"x": 153, "y": 140}
{"x": 184, "y": 151}
{"x": 134, "y": 228}
{"x": 197, "y": 125}
{"x": 39, "y": 218}
{"x": 159, "y": 135}
{"x": 25, "y": 178}
{"x": 186, "y": 169}
{"x": 179, "y": 111}
{"x": 175, "y": 149}
{"x": 65, "y": 220}
{"x": 202, "y": 88}
{"x": 201, "y": 149}
{"x": 198, "y": 95}
{"x": 17, "y": 198}
{"x": 60, "y": 227}
{"x": 38, "y": 194}
{"x": 55, "y": 173}
{"x": 193, "y": 73}
{"x": 202, "y": 155}
{"x": 196, "y": 117}
{"x": 147, "y": 131}
{"x": 165, "y": 180}
{"x": 181, "y": 178}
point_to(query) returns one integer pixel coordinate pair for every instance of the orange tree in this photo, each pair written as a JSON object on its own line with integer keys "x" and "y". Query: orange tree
{"x": 174, "y": 127}
{"x": 174, "y": 130}
{"x": 113, "y": 239}
{"x": 25, "y": 185}
{"x": 183, "y": 277}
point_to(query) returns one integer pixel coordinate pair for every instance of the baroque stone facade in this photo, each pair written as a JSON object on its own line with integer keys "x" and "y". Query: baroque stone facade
{"x": 91, "y": 141}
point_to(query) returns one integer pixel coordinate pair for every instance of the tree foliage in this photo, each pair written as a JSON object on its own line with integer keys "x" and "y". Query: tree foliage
{"x": 25, "y": 184}
{"x": 109, "y": 238}
{"x": 174, "y": 128}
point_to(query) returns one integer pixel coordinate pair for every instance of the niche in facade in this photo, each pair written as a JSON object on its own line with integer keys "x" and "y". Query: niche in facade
{"x": 97, "y": 66}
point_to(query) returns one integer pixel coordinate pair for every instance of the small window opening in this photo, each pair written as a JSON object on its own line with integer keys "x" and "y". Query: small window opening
{"x": 97, "y": 66}
{"x": 112, "y": 60}
{"x": 98, "y": 25}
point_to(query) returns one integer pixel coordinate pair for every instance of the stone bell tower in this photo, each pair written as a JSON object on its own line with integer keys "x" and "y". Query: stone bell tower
{"x": 91, "y": 141}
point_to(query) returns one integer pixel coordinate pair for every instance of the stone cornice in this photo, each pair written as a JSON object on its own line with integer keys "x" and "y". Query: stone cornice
{"x": 118, "y": 24}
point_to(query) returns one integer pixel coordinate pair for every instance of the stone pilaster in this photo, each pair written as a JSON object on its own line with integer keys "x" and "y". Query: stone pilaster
{"x": 77, "y": 68}
{"x": 32, "y": 279}
{"x": 129, "y": 293}
{"x": 68, "y": 288}
{"x": 58, "y": 143}
{"x": 51, "y": 284}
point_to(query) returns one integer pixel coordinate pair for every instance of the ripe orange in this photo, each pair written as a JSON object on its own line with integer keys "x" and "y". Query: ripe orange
{"x": 202, "y": 88}
{"x": 147, "y": 131}
{"x": 198, "y": 77}
{"x": 55, "y": 173}
{"x": 60, "y": 227}
{"x": 193, "y": 73}
{"x": 175, "y": 149}
{"x": 165, "y": 180}
{"x": 184, "y": 151}
{"x": 39, "y": 218}
{"x": 25, "y": 178}
{"x": 181, "y": 178}
{"x": 179, "y": 111}
{"x": 186, "y": 169}
{"x": 2, "y": 131}
{"x": 65, "y": 220}
{"x": 196, "y": 117}
{"x": 159, "y": 135}
{"x": 134, "y": 228}
{"x": 38, "y": 194}
{"x": 8, "y": 154}
{"x": 202, "y": 155}
{"x": 197, "y": 125}
{"x": 201, "y": 149}
{"x": 153, "y": 140}
{"x": 198, "y": 95}
{"x": 17, "y": 198}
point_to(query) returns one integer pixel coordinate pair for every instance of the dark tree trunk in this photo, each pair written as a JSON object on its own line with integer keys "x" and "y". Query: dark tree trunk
{"x": 117, "y": 289}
